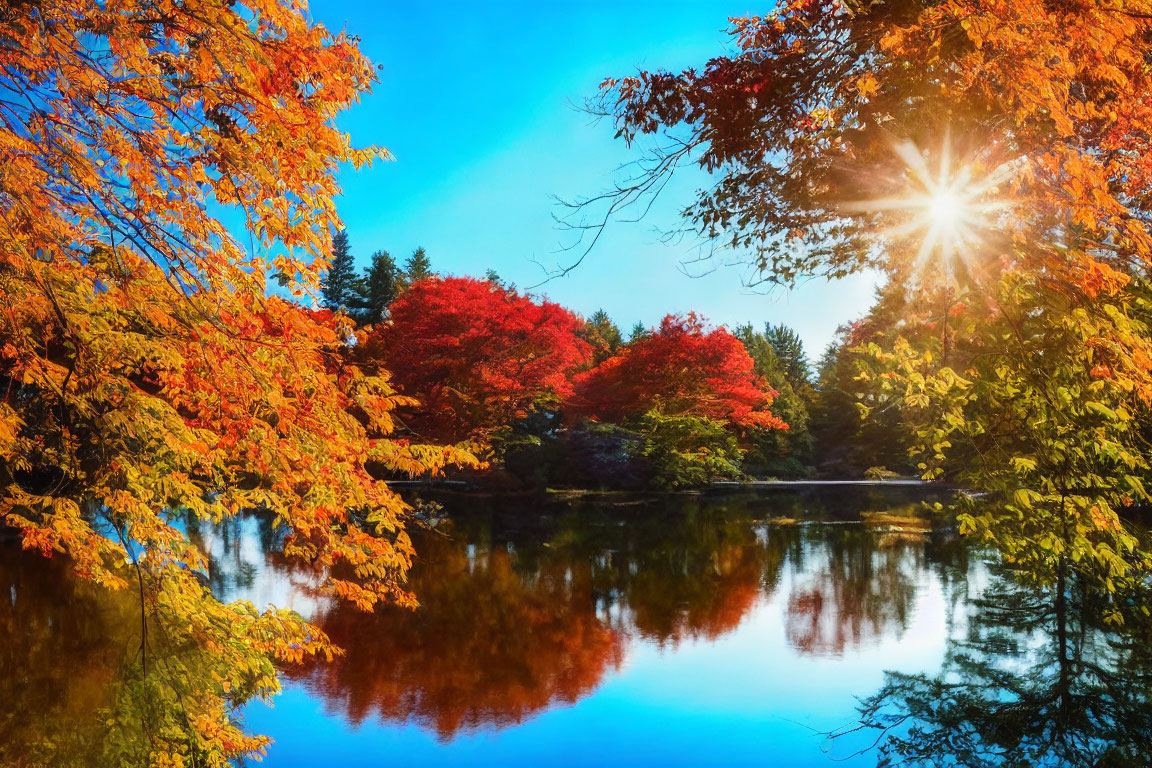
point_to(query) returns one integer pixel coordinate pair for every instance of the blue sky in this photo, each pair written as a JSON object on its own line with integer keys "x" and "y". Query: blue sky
{"x": 476, "y": 103}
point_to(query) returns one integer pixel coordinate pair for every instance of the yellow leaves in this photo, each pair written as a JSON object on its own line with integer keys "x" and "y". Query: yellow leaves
{"x": 149, "y": 374}
{"x": 867, "y": 86}
{"x": 10, "y": 426}
{"x": 822, "y": 117}
{"x": 979, "y": 28}
{"x": 1023, "y": 465}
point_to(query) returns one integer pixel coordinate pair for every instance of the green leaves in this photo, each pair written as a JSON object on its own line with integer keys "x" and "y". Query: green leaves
{"x": 1050, "y": 442}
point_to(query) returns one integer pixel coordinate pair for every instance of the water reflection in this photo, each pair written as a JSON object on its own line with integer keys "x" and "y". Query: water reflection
{"x": 732, "y": 606}
{"x": 62, "y": 645}
{"x": 1035, "y": 679}
{"x": 488, "y": 647}
{"x": 528, "y": 608}
{"x": 858, "y": 588}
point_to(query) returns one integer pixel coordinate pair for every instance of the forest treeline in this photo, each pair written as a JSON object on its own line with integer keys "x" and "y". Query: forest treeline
{"x": 991, "y": 160}
{"x": 547, "y": 398}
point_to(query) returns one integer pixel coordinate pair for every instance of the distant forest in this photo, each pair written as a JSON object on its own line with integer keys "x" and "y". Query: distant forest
{"x": 542, "y": 397}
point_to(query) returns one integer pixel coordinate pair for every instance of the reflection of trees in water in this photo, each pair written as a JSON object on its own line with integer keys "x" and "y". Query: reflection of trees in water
{"x": 78, "y": 691}
{"x": 57, "y": 660}
{"x": 853, "y": 591}
{"x": 1037, "y": 680}
{"x": 524, "y": 609}
{"x": 515, "y": 621}
{"x": 246, "y": 562}
{"x": 485, "y": 648}
{"x": 690, "y": 573}
{"x": 73, "y": 690}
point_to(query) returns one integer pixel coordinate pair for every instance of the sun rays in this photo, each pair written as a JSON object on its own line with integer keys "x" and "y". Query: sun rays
{"x": 950, "y": 209}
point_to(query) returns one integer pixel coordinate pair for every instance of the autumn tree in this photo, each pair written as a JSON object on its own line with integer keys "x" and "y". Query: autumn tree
{"x": 145, "y": 374}
{"x": 476, "y": 355}
{"x": 339, "y": 284}
{"x": 690, "y": 391}
{"x": 1000, "y": 148}
{"x": 684, "y": 368}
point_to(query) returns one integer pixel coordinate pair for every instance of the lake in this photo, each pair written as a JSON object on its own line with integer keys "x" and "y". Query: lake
{"x": 728, "y": 629}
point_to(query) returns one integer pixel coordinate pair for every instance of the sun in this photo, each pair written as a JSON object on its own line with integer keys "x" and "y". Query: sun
{"x": 950, "y": 209}
{"x": 946, "y": 208}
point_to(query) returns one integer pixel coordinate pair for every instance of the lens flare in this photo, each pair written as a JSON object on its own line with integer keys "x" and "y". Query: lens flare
{"x": 950, "y": 210}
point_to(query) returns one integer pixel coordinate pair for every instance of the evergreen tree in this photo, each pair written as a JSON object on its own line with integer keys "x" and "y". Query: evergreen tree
{"x": 378, "y": 287}
{"x": 789, "y": 349}
{"x": 638, "y": 332}
{"x": 603, "y": 335}
{"x": 339, "y": 284}
{"x": 779, "y": 453}
{"x": 492, "y": 276}
{"x": 418, "y": 267}
{"x": 835, "y": 417}
{"x": 761, "y": 352}
{"x": 846, "y": 443}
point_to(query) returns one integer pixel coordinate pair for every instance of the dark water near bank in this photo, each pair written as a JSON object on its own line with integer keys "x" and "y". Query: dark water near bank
{"x": 740, "y": 629}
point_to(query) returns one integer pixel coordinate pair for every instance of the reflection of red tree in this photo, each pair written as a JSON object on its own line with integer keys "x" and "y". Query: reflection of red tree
{"x": 486, "y": 648}
{"x": 671, "y": 607}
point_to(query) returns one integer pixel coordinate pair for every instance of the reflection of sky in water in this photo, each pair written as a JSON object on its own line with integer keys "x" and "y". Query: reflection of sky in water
{"x": 746, "y": 698}
{"x": 747, "y": 695}
{"x": 237, "y": 567}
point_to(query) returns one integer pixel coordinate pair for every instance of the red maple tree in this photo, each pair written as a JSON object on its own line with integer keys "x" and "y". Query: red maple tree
{"x": 476, "y": 355}
{"x": 684, "y": 368}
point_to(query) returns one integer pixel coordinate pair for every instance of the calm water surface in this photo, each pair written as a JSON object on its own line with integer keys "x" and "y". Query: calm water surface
{"x": 686, "y": 630}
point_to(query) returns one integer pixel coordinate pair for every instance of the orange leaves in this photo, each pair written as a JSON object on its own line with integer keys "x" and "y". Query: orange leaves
{"x": 1055, "y": 91}
{"x": 867, "y": 86}
{"x": 145, "y": 376}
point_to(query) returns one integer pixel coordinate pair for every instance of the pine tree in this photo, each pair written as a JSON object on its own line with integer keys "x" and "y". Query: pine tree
{"x": 780, "y": 453}
{"x": 608, "y": 329}
{"x": 789, "y": 349}
{"x": 638, "y": 332}
{"x": 603, "y": 335}
{"x": 492, "y": 276}
{"x": 418, "y": 267}
{"x": 378, "y": 288}
{"x": 339, "y": 284}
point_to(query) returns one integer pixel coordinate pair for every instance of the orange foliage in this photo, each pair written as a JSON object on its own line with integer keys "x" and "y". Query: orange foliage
{"x": 143, "y": 372}
{"x": 1043, "y": 106}
{"x": 485, "y": 650}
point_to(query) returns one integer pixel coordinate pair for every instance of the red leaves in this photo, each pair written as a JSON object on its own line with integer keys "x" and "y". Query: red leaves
{"x": 476, "y": 354}
{"x": 683, "y": 368}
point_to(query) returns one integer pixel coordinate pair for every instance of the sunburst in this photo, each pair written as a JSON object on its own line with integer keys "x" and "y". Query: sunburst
{"x": 950, "y": 209}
